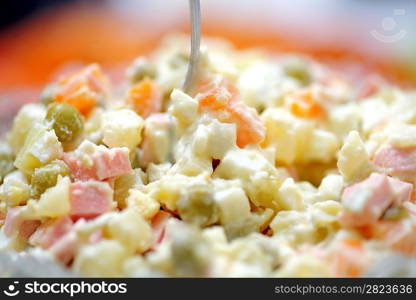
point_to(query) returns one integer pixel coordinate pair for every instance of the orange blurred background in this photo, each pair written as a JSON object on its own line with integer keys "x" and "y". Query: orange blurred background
{"x": 62, "y": 37}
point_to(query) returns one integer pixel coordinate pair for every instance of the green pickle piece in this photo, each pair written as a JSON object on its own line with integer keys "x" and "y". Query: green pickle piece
{"x": 66, "y": 121}
{"x": 198, "y": 208}
{"x": 298, "y": 68}
{"x": 141, "y": 69}
{"x": 46, "y": 177}
{"x": 190, "y": 252}
{"x": 6, "y": 164}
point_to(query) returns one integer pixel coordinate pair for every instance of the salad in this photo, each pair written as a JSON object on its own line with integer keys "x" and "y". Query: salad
{"x": 272, "y": 166}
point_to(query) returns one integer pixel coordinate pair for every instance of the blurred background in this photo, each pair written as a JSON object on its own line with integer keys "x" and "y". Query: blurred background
{"x": 41, "y": 38}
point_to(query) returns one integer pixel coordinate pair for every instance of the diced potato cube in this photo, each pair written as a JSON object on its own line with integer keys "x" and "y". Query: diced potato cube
{"x": 15, "y": 189}
{"x": 41, "y": 146}
{"x": 131, "y": 230}
{"x": 144, "y": 204}
{"x": 53, "y": 203}
{"x": 26, "y": 118}
{"x": 290, "y": 195}
{"x": 124, "y": 183}
{"x": 353, "y": 161}
{"x": 104, "y": 258}
{"x": 122, "y": 128}
{"x": 183, "y": 107}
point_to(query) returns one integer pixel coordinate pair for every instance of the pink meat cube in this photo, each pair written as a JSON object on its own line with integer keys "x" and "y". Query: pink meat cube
{"x": 15, "y": 223}
{"x": 90, "y": 199}
{"x": 50, "y": 232}
{"x": 402, "y": 190}
{"x": 367, "y": 200}
{"x": 395, "y": 161}
{"x": 158, "y": 226}
{"x": 104, "y": 164}
{"x": 402, "y": 238}
{"x": 65, "y": 248}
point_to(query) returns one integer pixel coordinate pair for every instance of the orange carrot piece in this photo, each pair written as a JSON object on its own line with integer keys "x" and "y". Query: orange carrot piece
{"x": 221, "y": 99}
{"x": 303, "y": 104}
{"x": 146, "y": 97}
{"x": 353, "y": 242}
{"x": 82, "y": 89}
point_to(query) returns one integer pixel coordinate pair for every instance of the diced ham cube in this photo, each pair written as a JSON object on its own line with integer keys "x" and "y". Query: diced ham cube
{"x": 78, "y": 169}
{"x": 15, "y": 223}
{"x": 402, "y": 190}
{"x": 89, "y": 199}
{"x": 50, "y": 232}
{"x": 402, "y": 238}
{"x": 367, "y": 200}
{"x": 111, "y": 163}
{"x": 27, "y": 228}
{"x": 396, "y": 161}
{"x": 64, "y": 249}
{"x": 159, "y": 225}
{"x": 103, "y": 163}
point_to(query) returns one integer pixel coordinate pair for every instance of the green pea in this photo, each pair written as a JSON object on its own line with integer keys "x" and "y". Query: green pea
{"x": 190, "y": 252}
{"x": 141, "y": 69}
{"x": 47, "y": 96}
{"x": 6, "y": 163}
{"x": 198, "y": 208}
{"x": 46, "y": 177}
{"x": 179, "y": 60}
{"x": 66, "y": 121}
{"x": 298, "y": 69}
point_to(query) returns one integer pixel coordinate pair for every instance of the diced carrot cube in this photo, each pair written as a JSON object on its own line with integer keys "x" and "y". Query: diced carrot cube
{"x": 221, "y": 99}
{"x": 146, "y": 97}
{"x": 83, "y": 88}
{"x": 304, "y": 104}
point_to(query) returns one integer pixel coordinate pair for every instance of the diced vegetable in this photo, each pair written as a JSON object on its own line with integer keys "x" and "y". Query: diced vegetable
{"x": 6, "y": 162}
{"x": 219, "y": 98}
{"x": 41, "y": 146}
{"x": 53, "y": 203}
{"x": 28, "y": 116}
{"x": 15, "y": 189}
{"x": 47, "y": 176}
{"x": 198, "y": 208}
{"x": 145, "y": 97}
{"x": 141, "y": 69}
{"x": 157, "y": 139}
{"x": 303, "y": 104}
{"x": 130, "y": 229}
{"x": 190, "y": 253}
{"x": 122, "y": 128}
{"x": 66, "y": 121}
{"x": 83, "y": 89}
{"x": 104, "y": 258}
{"x": 144, "y": 204}
{"x": 298, "y": 69}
